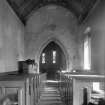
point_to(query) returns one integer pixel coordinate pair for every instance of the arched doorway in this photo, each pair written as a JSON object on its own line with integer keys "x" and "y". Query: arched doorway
{"x": 52, "y": 60}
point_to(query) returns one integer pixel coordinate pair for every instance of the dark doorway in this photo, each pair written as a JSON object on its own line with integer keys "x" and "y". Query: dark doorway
{"x": 52, "y": 60}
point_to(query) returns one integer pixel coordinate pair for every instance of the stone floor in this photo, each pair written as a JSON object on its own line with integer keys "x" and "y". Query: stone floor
{"x": 50, "y": 94}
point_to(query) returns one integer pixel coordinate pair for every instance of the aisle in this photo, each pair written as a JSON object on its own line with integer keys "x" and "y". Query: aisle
{"x": 50, "y": 94}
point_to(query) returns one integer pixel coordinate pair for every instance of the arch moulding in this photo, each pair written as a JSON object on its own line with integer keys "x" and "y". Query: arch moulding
{"x": 60, "y": 45}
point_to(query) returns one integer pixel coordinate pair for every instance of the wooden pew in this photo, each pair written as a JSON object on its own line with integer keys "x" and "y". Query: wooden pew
{"x": 26, "y": 87}
{"x": 72, "y": 87}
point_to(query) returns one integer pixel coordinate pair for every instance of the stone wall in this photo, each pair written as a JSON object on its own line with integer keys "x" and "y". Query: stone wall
{"x": 11, "y": 38}
{"x": 96, "y": 21}
{"x": 52, "y": 23}
{"x": 57, "y": 23}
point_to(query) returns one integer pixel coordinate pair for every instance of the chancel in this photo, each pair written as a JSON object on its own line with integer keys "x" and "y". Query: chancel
{"x": 52, "y": 52}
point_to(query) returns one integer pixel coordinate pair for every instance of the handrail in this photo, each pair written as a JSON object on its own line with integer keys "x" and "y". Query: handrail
{"x": 85, "y": 76}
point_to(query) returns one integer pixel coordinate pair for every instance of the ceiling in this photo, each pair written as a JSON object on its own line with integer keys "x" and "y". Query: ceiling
{"x": 80, "y": 8}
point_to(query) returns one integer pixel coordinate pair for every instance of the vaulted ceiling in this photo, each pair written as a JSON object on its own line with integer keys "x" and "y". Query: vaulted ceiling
{"x": 80, "y": 8}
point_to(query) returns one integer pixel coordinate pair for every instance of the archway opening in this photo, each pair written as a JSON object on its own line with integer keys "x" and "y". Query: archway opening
{"x": 52, "y": 60}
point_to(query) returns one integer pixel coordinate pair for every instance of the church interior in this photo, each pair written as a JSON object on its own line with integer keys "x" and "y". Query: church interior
{"x": 52, "y": 52}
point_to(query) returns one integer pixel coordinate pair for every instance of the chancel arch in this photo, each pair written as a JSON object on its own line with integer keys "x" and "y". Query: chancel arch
{"x": 53, "y": 56}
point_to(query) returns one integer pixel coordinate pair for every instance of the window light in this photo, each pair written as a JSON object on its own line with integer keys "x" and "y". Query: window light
{"x": 43, "y": 57}
{"x": 54, "y": 56}
{"x": 87, "y": 53}
{"x": 96, "y": 86}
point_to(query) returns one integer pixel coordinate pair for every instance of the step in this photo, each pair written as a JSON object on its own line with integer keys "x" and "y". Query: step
{"x": 50, "y": 95}
{"x": 51, "y": 98}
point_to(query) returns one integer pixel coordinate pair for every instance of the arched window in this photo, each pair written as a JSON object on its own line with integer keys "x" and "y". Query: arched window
{"x": 52, "y": 58}
{"x": 87, "y": 51}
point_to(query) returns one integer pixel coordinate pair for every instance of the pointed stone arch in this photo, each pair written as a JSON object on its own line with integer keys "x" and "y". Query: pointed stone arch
{"x": 60, "y": 45}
